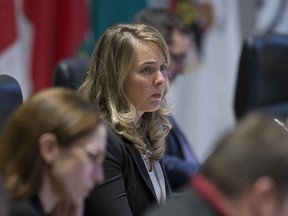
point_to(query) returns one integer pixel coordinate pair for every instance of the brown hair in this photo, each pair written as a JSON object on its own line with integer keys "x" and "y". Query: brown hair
{"x": 258, "y": 147}
{"x": 163, "y": 20}
{"x": 56, "y": 110}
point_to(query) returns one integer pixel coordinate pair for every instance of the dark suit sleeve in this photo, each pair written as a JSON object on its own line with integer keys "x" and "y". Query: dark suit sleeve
{"x": 174, "y": 161}
{"x": 110, "y": 197}
{"x": 178, "y": 167}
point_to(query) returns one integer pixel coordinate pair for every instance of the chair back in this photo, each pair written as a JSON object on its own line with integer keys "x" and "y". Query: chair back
{"x": 262, "y": 80}
{"x": 10, "y": 97}
{"x": 70, "y": 72}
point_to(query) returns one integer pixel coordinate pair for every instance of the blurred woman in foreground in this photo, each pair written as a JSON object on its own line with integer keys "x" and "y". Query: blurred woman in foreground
{"x": 51, "y": 154}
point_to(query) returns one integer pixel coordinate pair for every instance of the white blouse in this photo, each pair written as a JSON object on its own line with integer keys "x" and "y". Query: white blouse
{"x": 158, "y": 181}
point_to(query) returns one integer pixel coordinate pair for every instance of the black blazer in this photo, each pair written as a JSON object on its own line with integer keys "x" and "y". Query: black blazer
{"x": 27, "y": 207}
{"x": 127, "y": 189}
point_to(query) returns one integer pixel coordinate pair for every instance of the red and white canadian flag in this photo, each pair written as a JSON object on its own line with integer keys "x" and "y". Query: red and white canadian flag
{"x": 35, "y": 35}
{"x": 14, "y": 44}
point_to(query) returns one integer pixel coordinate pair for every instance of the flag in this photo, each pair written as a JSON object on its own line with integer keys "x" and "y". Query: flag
{"x": 12, "y": 44}
{"x": 110, "y": 12}
{"x": 7, "y": 23}
{"x": 204, "y": 97}
{"x": 59, "y": 28}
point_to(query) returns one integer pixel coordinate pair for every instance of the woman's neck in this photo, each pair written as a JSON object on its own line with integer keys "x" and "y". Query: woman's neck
{"x": 137, "y": 117}
{"x": 47, "y": 196}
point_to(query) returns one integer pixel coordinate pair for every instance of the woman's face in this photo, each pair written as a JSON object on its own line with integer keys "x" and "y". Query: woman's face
{"x": 179, "y": 49}
{"x": 146, "y": 82}
{"x": 78, "y": 168}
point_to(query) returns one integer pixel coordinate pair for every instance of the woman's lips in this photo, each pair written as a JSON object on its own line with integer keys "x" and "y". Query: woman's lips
{"x": 157, "y": 95}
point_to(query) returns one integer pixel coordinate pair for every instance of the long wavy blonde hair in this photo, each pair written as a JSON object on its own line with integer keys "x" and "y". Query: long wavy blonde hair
{"x": 112, "y": 60}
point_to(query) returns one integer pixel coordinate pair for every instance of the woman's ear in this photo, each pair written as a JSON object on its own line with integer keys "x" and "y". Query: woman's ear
{"x": 48, "y": 146}
{"x": 264, "y": 196}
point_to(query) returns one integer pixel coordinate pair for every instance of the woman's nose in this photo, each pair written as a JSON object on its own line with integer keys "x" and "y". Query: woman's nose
{"x": 160, "y": 78}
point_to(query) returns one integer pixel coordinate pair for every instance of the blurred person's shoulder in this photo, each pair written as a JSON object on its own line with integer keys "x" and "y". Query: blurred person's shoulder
{"x": 185, "y": 203}
{"x": 29, "y": 207}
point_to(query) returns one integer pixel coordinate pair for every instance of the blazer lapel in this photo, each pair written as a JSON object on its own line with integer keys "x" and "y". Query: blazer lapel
{"x": 137, "y": 158}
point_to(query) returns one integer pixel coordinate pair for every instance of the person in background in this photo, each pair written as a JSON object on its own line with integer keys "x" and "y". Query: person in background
{"x": 51, "y": 154}
{"x": 246, "y": 174}
{"x": 127, "y": 82}
{"x": 180, "y": 161}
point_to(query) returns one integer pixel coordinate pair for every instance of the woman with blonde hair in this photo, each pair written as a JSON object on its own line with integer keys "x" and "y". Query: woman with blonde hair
{"x": 127, "y": 82}
{"x": 51, "y": 153}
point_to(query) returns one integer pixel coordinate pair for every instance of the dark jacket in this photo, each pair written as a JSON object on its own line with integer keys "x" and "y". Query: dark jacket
{"x": 189, "y": 204}
{"x": 174, "y": 160}
{"x": 127, "y": 189}
{"x": 199, "y": 198}
{"x": 29, "y": 207}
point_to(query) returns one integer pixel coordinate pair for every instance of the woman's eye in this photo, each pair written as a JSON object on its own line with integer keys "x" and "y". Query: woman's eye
{"x": 146, "y": 70}
{"x": 164, "y": 68}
